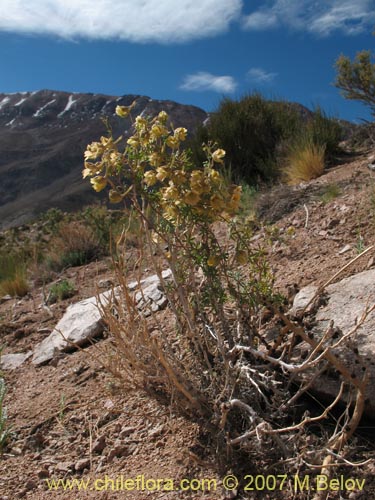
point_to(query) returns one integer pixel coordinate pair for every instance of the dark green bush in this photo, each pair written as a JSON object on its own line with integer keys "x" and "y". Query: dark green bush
{"x": 325, "y": 132}
{"x": 257, "y": 133}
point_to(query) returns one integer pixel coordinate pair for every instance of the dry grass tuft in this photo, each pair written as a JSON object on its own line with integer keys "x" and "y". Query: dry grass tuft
{"x": 74, "y": 245}
{"x": 16, "y": 286}
{"x": 305, "y": 161}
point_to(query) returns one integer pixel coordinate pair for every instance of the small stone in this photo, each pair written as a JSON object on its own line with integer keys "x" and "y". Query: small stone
{"x": 99, "y": 445}
{"x": 5, "y": 298}
{"x": 156, "y": 431}
{"x": 332, "y": 223}
{"x": 105, "y": 283}
{"x": 345, "y": 249}
{"x": 30, "y": 485}
{"x": 42, "y": 473}
{"x": 63, "y": 467}
{"x": 118, "y": 450}
{"x": 82, "y": 464}
{"x": 126, "y": 431}
{"x": 302, "y": 300}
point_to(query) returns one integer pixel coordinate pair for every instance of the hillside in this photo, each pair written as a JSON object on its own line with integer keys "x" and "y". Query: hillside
{"x": 42, "y": 138}
{"x": 70, "y": 418}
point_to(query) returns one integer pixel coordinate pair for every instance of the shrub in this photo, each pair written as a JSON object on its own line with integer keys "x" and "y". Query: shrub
{"x": 324, "y": 132}
{"x": 74, "y": 245}
{"x": 305, "y": 161}
{"x": 329, "y": 193}
{"x": 211, "y": 359}
{"x": 13, "y": 274}
{"x": 251, "y": 131}
{"x": 356, "y": 79}
{"x": 60, "y": 291}
{"x": 257, "y": 134}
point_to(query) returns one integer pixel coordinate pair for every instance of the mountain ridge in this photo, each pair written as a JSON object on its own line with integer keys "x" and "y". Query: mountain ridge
{"x": 43, "y": 136}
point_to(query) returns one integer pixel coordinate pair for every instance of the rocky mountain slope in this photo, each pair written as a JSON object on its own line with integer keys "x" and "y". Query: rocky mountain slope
{"x": 42, "y": 139}
{"x": 71, "y": 419}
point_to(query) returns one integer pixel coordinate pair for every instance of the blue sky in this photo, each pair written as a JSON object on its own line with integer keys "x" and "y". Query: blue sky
{"x": 190, "y": 51}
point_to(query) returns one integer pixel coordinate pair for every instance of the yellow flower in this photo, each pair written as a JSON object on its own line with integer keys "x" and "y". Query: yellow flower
{"x": 114, "y": 196}
{"x": 123, "y": 111}
{"x": 215, "y": 176}
{"x": 115, "y": 157}
{"x": 235, "y": 198}
{"x": 93, "y": 150}
{"x": 158, "y": 131}
{"x": 150, "y": 178}
{"x": 106, "y": 141}
{"x": 172, "y": 142}
{"x": 154, "y": 159}
{"x": 162, "y": 116}
{"x": 216, "y": 202}
{"x": 178, "y": 177}
{"x": 162, "y": 174}
{"x": 191, "y": 198}
{"x": 90, "y": 170}
{"x": 180, "y": 133}
{"x": 140, "y": 122}
{"x": 170, "y": 193}
{"x": 133, "y": 142}
{"x": 213, "y": 260}
{"x": 98, "y": 183}
{"x": 218, "y": 155}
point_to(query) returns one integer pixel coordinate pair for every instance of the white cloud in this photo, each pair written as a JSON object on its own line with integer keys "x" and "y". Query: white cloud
{"x": 261, "y": 20}
{"x": 134, "y": 20}
{"x": 259, "y": 75}
{"x": 321, "y": 17}
{"x": 206, "y": 81}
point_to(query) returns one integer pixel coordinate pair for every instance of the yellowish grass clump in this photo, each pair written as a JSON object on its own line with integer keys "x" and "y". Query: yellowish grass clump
{"x": 15, "y": 286}
{"x": 305, "y": 162}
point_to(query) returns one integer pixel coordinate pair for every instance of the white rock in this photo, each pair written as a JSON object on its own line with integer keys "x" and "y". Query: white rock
{"x": 80, "y": 323}
{"x": 302, "y": 299}
{"x": 13, "y": 361}
{"x": 347, "y": 300}
{"x": 345, "y": 249}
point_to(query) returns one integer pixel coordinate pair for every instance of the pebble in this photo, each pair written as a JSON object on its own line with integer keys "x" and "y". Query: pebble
{"x": 82, "y": 464}
{"x": 99, "y": 444}
{"x": 345, "y": 249}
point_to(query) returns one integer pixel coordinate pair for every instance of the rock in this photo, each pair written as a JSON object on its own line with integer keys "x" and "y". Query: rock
{"x": 5, "y": 298}
{"x": 151, "y": 280}
{"x": 105, "y": 283}
{"x": 13, "y": 361}
{"x": 43, "y": 473}
{"x": 99, "y": 444}
{"x": 302, "y": 299}
{"x": 346, "y": 303}
{"x": 126, "y": 431}
{"x": 332, "y": 223}
{"x": 345, "y": 249}
{"x": 151, "y": 297}
{"x": 80, "y": 323}
{"x": 119, "y": 450}
{"x": 82, "y": 464}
